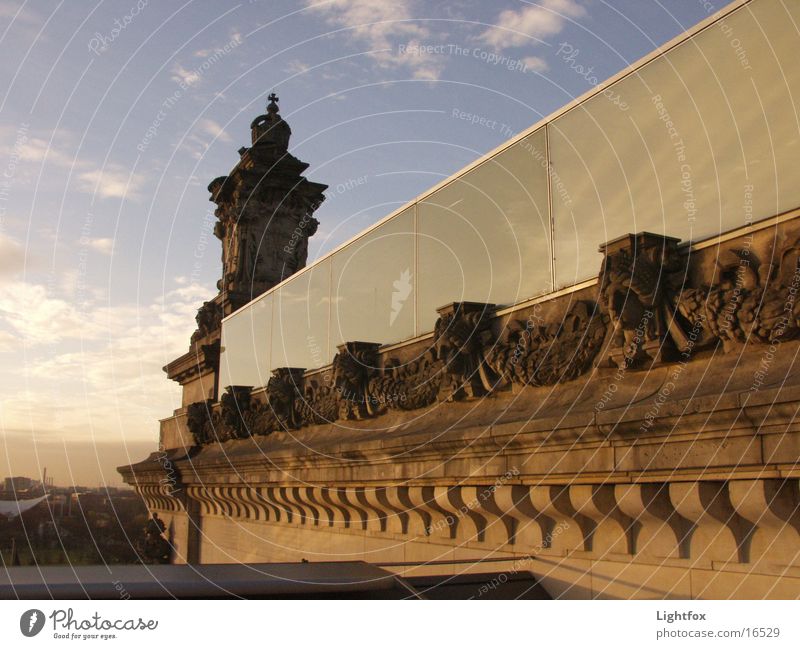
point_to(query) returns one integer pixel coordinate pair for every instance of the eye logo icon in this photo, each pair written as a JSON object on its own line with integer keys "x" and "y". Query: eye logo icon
{"x": 31, "y": 622}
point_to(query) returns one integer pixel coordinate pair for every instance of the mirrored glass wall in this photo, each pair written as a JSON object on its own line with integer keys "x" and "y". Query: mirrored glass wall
{"x": 700, "y": 140}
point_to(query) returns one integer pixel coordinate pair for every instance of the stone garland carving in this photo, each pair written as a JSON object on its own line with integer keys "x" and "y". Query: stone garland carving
{"x": 644, "y": 314}
{"x": 408, "y": 386}
{"x": 546, "y": 354}
{"x": 238, "y": 415}
{"x": 751, "y": 302}
{"x": 318, "y": 403}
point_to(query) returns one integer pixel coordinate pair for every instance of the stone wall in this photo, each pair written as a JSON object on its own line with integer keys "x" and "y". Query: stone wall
{"x": 660, "y": 463}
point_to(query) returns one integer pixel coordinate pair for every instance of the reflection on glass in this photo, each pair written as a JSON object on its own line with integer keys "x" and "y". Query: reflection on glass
{"x": 695, "y": 150}
{"x": 245, "y": 355}
{"x": 485, "y": 237}
{"x": 300, "y": 319}
{"x": 373, "y": 285}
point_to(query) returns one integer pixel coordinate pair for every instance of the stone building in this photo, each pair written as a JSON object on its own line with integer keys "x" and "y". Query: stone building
{"x": 576, "y": 357}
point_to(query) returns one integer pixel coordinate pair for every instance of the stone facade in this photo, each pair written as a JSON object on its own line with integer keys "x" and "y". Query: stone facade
{"x": 630, "y": 437}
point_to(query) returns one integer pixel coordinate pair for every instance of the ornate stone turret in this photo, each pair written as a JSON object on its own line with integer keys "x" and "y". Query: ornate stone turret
{"x": 265, "y": 209}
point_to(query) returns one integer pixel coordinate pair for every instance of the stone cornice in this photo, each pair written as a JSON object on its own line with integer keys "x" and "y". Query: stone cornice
{"x": 202, "y": 358}
{"x": 727, "y": 433}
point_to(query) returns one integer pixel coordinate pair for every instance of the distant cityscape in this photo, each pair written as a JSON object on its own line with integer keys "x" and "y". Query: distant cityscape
{"x": 41, "y": 524}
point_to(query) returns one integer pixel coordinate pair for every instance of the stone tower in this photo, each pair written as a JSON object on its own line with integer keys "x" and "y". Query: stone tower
{"x": 265, "y": 211}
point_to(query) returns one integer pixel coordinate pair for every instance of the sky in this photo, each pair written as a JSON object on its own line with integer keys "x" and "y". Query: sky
{"x": 115, "y": 116}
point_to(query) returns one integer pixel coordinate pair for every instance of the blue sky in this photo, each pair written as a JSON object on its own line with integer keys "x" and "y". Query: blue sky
{"x": 114, "y": 117}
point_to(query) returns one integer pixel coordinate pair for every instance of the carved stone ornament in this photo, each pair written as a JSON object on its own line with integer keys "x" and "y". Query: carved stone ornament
{"x": 235, "y": 405}
{"x": 199, "y": 421}
{"x": 750, "y": 302}
{"x": 319, "y": 404}
{"x": 645, "y": 313}
{"x": 460, "y": 334}
{"x": 535, "y": 353}
{"x": 209, "y": 320}
{"x": 635, "y": 278}
{"x": 406, "y": 386}
{"x": 353, "y": 366}
{"x": 285, "y": 396}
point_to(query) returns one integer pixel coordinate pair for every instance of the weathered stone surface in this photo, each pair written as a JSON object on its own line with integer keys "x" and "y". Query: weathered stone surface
{"x": 638, "y": 437}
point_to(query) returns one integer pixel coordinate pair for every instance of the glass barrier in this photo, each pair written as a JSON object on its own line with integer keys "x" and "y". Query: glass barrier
{"x": 300, "y": 319}
{"x": 372, "y": 287}
{"x": 699, "y": 141}
{"x": 245, "y": 353}
{"x": 485, "y": 237}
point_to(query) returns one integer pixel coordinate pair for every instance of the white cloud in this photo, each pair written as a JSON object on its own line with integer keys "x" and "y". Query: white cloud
{"x": 183, "y": 76}
{"x": 535, "y": 63}
{"x": 95, "y": 370}
{"x": 296, "y": 66}
{"x": 111, "y": 182}
{"x": 39, "y": 150}
{"x": 36, "y": 317}
{"x": 531, "y": 23}
{"x": 197, "y": 143}
{"x": 12, "y": 256}
{"x": 102, "y": 245}
{"x": 55, "y": 147}
{"x": 384, "y": 25}
{"x": 8, "y": 341}
{"x": 214, "y": 129}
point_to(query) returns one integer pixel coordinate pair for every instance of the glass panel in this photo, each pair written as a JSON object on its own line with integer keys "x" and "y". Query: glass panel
{"x": 373, "y": 285}
{"x": 244, "y": 359}
{"x": 485, "y": 237}
{"x": 688, "y": 146}
{"x": 300, "y": 319}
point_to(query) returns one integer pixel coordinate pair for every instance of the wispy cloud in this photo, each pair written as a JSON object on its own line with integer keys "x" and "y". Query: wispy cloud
{"x": 535, "y": 63}
{"x": 8, "y": 342}
{"x": 111, "y": 182}
{"x": 214, "y": 129}
{"x": 535, "y": 22}
{"x": 181, "y": 75}
{"x": 12, "y": 256}
{"x": 102, "y": 245}
{"x": 296, "y": 66}
{"x": 382, "y": 26}
{"x": 196, "y": 143}
{"x": 31, "y": 312}
{"x": 186, "y": 77}
{"x": 39, "y": 150}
